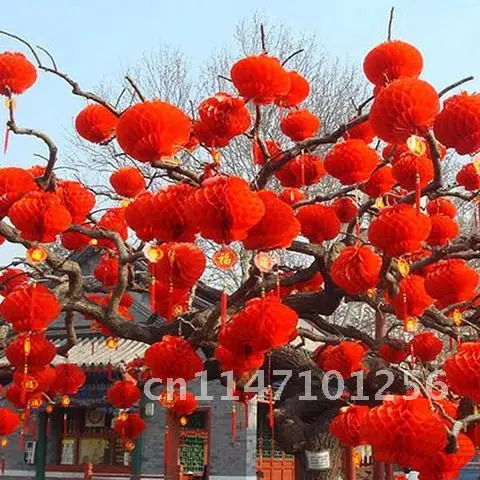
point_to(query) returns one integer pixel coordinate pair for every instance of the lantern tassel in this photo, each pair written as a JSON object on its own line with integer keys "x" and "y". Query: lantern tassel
{"x": 65, "y": 424}
{"x": 246, "y": 413}
{"x": 6, "y": 140}
{"x": 33, "y": 431}
{"x": 3, "y": 466}
{"x": 109, "y": 371}
{"x": 418, "y": 193}
{"x": 223, "y": 308}
{"x": 234, "y": 423}
{"x": 152, "y": 295}
{"x": 412, "y": 357}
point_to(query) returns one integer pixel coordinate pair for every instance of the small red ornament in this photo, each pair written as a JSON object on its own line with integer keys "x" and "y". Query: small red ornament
{"x": 299, "y": 125}
{"x": 380, "y": 182}
{"x": 346, "y": 425}
{"x": 183, "y": 404}
{"x": 9, "y": 421}
{"x": 96, "y": 123}
{"x": 264, "y": 262}
{"x": 412, "y": 299}
{"x": 345, "y": 358}
{"x": 304, "y": 170}
{"x": 441, "y": 206}
{"x": 426, "y": 346}
{"x": 17, "y": 74}
{"x": 127, "y": 182}
{"x": 410, "y": 166}
{"x": 393, "y": 351}
{"x": 14, "y": 184}
{"x": 106, "y": 270}
{"x": 70, "y": 378}
{"x": 11, "y": 279}
{"x": 363, "y": 131}
{"x": 345, "y": 208}
{"x": 298, "y": 92}
{"x": 318, "y": 222}
{"x": 469, "y": 176}
{"x": 444, "y": 229}
{"x": 131, "y": 427}
{"x": 123, "y": 394}
{"x": 225, "y": 258}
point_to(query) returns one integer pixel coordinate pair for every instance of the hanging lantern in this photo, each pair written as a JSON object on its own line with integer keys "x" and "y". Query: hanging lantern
{"x": 393, "y": 351}
{"x": 65, "y": 401}
{"x": 9, "y": 421}
{"x": 298, "y": 92}
{"x": 261, "y": 79}
{"x": 277, "y": 228}
{"x": 351, "y": 161}
{"x": 299, "y": 125}
{"x": 444, "y": 229}
{"x": 392, "y": 60}
{"x": 318, "y": 222}
{"x": 242, "y": 364}
{"x": 380, "y": 182}
{"x": 291, "y": 196}
{"x": 153, "y": 253}
{"x": 149, "y": 131}
{"x": 469, "y": 176}
{"x": 441, "y": 206}
{"x": 301, "y": 171}
{"x": 168, "y": 302}
{"x": 345, "y": 358}
{"x": 36, "y": 380}
{"x": 15, "y": 182}
{"x": 274, "y": 150}
{"x": 11, "y": 279}
{"x": 36, "y": 254}
{"x": 127, "y": 182}
{"x": 426, "y": 346}
{"x": 39, "y": 353}
{"x": 345, "y": 208}
{"x": 106, "y": 270}
{"x": 346, "y": 425}
{"x": 17, "y": 74}
{"x": 20, "y": 398}
{"x": 362, "y": 131}
{"x": 96, "y": 123}
{"x": 78, "y": 200}
{"x": 411, "y": 170}
{"x": 70, "y": 378}
{"x": 123, "y": 394}
{"x": 183, "y": 405}
{"x": 111, "y": 343}
{"x": 166, "y": 399}
{"x": 405, "y": 107}
{"x": 130, "y": 428}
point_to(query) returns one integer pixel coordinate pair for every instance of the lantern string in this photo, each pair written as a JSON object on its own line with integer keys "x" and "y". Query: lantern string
{"x": 223, "y": 306}
{"x": 233, "y": 418}
{"x": 152, "y": 295}
{"x": 417, "y": 193}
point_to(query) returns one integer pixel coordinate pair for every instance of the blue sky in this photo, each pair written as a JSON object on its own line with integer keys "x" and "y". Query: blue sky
{"x": 92, "y": 40}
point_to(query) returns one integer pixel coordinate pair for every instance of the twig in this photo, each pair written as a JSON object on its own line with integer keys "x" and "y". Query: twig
{"x": 262, "y": 39}
{"x": 455, "y": 85}
{"x": 49, "y": 56}
{"x": 135, "y": 88}
{"x": 294, "y": 54}
{"x": 225, "y": 78}
{"x": 390, "y": 23}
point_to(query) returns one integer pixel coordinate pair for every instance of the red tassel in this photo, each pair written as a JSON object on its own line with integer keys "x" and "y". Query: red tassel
{"x": 412, "y": 357}
{"x": 109, "y": 371}
{"x": 270, "y": 409}
{"x": 33, "y": 432}
{"x": 65, "y": 424}
{"x": 246, "y": 413}
{"x": 418, "y": 193}
{"x": 234, "y": 423}
{"x": 223, "y": 308}
{"x": 277, "y": 287}
{"x": 152, "y": 295}
{"x": 5, "y": 141}
{"x": 169, "y": 303}
{"x": 3, "y": 466}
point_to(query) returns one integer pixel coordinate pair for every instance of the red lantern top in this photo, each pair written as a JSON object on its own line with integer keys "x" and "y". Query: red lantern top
{"x": 77, "y": 199}
{"x": 127, "y": 181}
{"x": 41, "y": 353}
{"x": 70, "y": 378}
{"x": 17, "y": 74}
{"x": 11, "y": 279}
{"x": 96, "y": 123}
{"x": 123, "y": 394}
{"x": 300, "y": 124}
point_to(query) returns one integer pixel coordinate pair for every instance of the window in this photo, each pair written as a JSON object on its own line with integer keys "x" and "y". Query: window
{"x": 194, "y": 443}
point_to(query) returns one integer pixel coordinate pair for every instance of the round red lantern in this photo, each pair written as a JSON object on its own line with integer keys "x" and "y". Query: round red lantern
{"x": 113, "y": 220}
{"x": 404, "y": 108}
{"x": 40, "y": 216}
{"x": 351, "y": 162}
{"x": 344, "y": 358}
{"x": 346, "y": 425}
{"x": 30, "y": 309}
{"x": 426, "y": 346}
{"x": 168, "y": 302}
{"x": 149, "y": 131}
{"x": 17, "y": 74}
{"x": 469, "y": 176}
{"x": 306, "y": 169}
{"x": 173, "y": 357}
{"x": 300, "y": 124}
{"x": 21, "y": 399}
{"x": 131, "y": 427}
{"x": 443, "y": 230}
{"x": 277, "y": 228}
{"x": 356, "y": 269}
{"x": 273, "y": 148}
{"x": 225, "y": 209}
{"x": 14, "y": 184}
{"x": 123, "y": 394}
{"x": 363, "y": 131}
{"x": 40, "y": 352}
{"x": 451, "y": 281}
{"x": 391, "y": 60}
{"x": 380, "y": 182}
{"x": 127, "y": 182}
{"x": 106, "y": 270}
{"x": 75, "y": 240}
{"x": 318, "y": 222}
{"x": 77, "y": 199}
{"x": 70, "y": 378}
{"x": 207, "y": 137}
{"x": 345, "y": 208}
{"x": 291, "y": 196}
{"x": 458, "y": 124}
{"x": 11, "y": 279}
{"x": 242, "y": 364}
{"x": 412, "y": 299}
{"x": 410, "y": 169}
{"x": 298, "y": 92}
{"x": 40, "y": 379}
{"x": 96, "y": 123}
{"x": 9, "y": 421}
{"x": 393, "y": 351}
{"x": 441, "y": 206}
{"x": 184, "y": 404}
{"x": 399, "y": 229}
{"x": 260, "y": 78}
{"x": 138, "y": 216}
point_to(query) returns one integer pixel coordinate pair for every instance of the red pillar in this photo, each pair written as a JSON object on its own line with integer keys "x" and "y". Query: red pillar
{"x": 388, "y": 471}
{"x": 172, "y": 447}
{"x": 350, "y": 468}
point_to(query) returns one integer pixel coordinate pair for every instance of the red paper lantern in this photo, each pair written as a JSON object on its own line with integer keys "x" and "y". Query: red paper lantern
{"x": 345, "y": 208}
{"x": 351, "y": 162}
{"x": 260, "y": 78}
{"x": 11, "y": 279}
{"x": 412, "y": 299}
{"x": 443, "y": 230}
{"x": 225, "y": 209}
{"x": 167, "y": 302}
{"x": 399, "y": 229}
{"x": 451, "y": 281}
{"x": 138, "y": 216}
{"x": 106, "y": 270}
{"x": 149, "y": 131}
{"x": 96, "y": 123}
{"x": 207, "y": 137}
{"x": 393, "y": 351}
{"x": 42, "y": 378}
{"x": 363, "y": 131}
{"x": 300, "y": 124}
{"x": 9, "y": 420}
{"x": 70, "y": 378}
{"x": 262, "y": 324}
{"x": 346, "y": 425}
{"x": 380, "y": 182}
{"x": 392, "y": 60}
{"x": 318, "y": 222}
{"x": 127, "y": 182}
{"x": 356, "y": 269}
{"x": 242, "y": 364}
{"x": 473, "y": 433}
{"x": 173, "y": 357}
{"x": 314, "y": 284}
{"x": 277, "y": 228}
{"x": 441, "y": 206}
{"x": 224, "y": 115}
{"x": 75, "y": 240}
{"x": 132, "y": 427}
{"x": 30, "y": 309}
{"x": 21, "y": 399}
{"x": 406, "y": 107}
{"x": 113, "y": 220}
{"x": 103, "y": 301}
{"x": 14, "y": 184}
{"x": 181, "y": 265}
{"x": 76, "y": 198}
{"x": 469, "y": 177}
{"x": 42, "y": 351}
{"x": 458, "y": 124}
{"x": 426, "y": 346}
{"x": 184, "y": 405}
{"x": 273, "y": 149}
{"x": 40, "y": 216}
{"x": 17, "y": 74}
{"x": 306, "y": 169}
{"x": 344, "y": 358}
{"x": 406, "y": 169}
{"x": 291, "y": 196}
{"x": 462, "y": 371}
{"x": 123, "y": 394}
{"x": 298, "y": 92}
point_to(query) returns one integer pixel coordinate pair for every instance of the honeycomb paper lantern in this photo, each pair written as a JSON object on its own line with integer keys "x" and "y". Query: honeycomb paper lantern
{"x": 11, "y": 279}
{"x": 344, "y": 358}
{"x": 412, "y": 299}
{"x": 318, "y": 222}
{"x": 240, "y": 363}
{"x": 106, "y": 270}
{"x": 123, "y": 394}
{"x": 14, "y": 184}
{"x": 393, "y": 351}
{"x": 17, "y": 74}
{"x": 42, "y": 351}
{"x": 426, "y": 346}
{"x": 76, "y": 198}
{"x": 362, "y": 131}
{"x": 130, "y": 428}
{"x": 441, "y": 206}
{"x": 184, "y": 405}
{"x": 346, "y": 425}
{"x": 444, "y": 229}
{"x": 70, "y": 378}
{"x": 43, "y": 378}
{"x": 381, "y": 181}
{"x": 127, "y": 182}
{"x": 297, "y": 93}
{"x": 306, "y": 169}
{"x": 299, "y": 125}
{"x": 469, "y": 177}
{"x": 9, "y": 421}
{"x": 410, "y": 166}
{"x": 96, "y": 123}
{"x": 74, "y": 240}
{"x": 345, "y": 208}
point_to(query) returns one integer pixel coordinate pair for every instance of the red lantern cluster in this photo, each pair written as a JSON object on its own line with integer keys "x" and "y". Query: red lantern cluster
{"x": 76, "y": 198}
{"x": 458, "y": 124}
{"x": 70, "y": 378}
{"x": 36, "y": 380}
{"x": 345, "y": 208}
{"x": 300, "y": 124}
{"x": 131, "y": 427}
{"x": 351, "y": 162}
{"x": 426, "y": 346}
{"x": 412, "y": 171}
{"x": 127, "y": 182}
{"x": 14, "y": 184}
{"x": 298, "y": 92}
{"x": 441, "y": 206}
{"x": 444, "y": 229}
{"x": 11, "y": 279}
{"x": 356, "y": 269}
{"x": 150, "y": 131}
{"x": 123, "y": 394}
{"x": 306, "y": 169}
{"x": 17, "y": 74}
{"x": 41, "y": 352}
{"x": 96, "y": 123}
{"x": 380, "y": 182}
{"x": 469, "y": 176}
{"x": 261, "y": 79}
{"x": 346, "y": 425}
{"x": 393, "y": 351}
{"x": 399, "y": 230}
{"x": 344, "y": 358}
{"x": 318, "y": 222}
